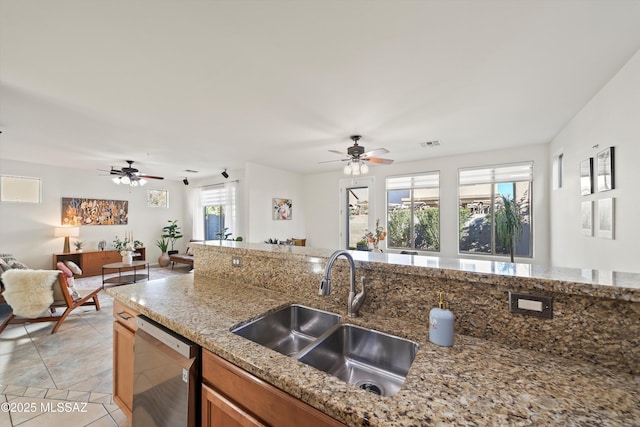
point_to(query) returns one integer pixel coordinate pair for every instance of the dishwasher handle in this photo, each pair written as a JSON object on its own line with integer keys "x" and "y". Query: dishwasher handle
{"x": 179, "y": 344}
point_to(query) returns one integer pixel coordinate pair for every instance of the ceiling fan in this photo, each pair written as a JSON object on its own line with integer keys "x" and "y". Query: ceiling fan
{"x": 130, "y": 175}
{"x": 358, "y": 158}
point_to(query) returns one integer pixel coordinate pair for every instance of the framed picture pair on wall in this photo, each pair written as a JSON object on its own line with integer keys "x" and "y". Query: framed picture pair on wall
{"x": 604, "y": 170}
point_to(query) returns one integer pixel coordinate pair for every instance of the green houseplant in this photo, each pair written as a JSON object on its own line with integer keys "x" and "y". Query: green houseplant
{"x": 164, "y": 259}
{"x": 172, "y": 233}
{"x": 509, "y": 224}
{"x": 222, "y": 234}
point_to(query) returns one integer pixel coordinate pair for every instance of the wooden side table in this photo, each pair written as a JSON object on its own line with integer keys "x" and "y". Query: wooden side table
{"x": 124, "y": 279}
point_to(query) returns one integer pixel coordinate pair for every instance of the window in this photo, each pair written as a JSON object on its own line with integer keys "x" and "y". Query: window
{"x": 482, "y": 192}
{"x": 20, "y": 189}
{"x": 358, "y": 206}
{"x": 213, "y": 221}
{"x": 558, "y": 171}
{"x": 215, "y": 210}
{"x": 413, "y": 212}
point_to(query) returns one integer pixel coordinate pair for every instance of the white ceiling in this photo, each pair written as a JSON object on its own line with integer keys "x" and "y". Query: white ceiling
{"x": 205, "y": 85}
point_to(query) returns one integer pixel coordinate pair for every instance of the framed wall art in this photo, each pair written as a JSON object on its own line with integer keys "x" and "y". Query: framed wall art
{"x": 586, "y": 215}
{"x": 157, "y": 199}
{"x": 282, "y": 209}
{"x": 78, "y": 211}
{"x": 586, "y": 176}
{"x": 606, "y": 218}
{"x": 606, "y": 171}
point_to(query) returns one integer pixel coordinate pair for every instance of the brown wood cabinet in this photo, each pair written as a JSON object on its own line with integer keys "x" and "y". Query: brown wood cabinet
{"x": 233, "y": 397}
{"x": 217, "y": 410}
{"x": 124, "y": 327}
{"x": 91, "y": 262}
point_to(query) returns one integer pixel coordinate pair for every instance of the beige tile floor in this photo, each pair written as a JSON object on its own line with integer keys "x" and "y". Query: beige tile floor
{"x": 66, "y": 378}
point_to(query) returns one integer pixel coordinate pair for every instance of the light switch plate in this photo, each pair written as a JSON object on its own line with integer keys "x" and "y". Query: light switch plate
{"x": 531, "y": 305}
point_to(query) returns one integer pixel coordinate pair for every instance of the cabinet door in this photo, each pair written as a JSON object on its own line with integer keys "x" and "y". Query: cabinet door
{"x": 92, "y": 263}
{"x": 123, "y": 340}
{"x": 255, "y": 396}
{"x": 218, "y": 411}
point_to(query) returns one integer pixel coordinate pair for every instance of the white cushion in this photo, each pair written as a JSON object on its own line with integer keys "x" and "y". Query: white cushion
{"x": 73, "y": 267}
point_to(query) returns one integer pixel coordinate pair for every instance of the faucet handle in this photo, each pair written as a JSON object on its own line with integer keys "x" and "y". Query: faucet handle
{"x": 356, "y": 301}
{"x": 325, "y": 287}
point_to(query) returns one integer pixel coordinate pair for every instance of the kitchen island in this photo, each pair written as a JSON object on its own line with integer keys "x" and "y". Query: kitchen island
{"x": 476, "y": 382}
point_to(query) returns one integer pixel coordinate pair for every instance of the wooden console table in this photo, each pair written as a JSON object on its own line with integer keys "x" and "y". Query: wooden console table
{"x": 91, "y": 262}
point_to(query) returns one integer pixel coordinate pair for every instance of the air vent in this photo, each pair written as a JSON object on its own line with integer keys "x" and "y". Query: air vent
{"x": 429, "y": 144}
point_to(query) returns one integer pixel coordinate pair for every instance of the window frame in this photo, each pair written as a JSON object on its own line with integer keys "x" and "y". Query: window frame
{"x": 493, "y": 183}
{"x": 411, "y": 188}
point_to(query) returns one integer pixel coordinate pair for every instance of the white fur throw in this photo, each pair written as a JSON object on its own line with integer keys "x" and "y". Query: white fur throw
{"x": 29, "y": 292}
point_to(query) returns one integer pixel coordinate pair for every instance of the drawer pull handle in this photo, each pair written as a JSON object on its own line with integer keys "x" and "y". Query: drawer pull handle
{"x": 122, "y": 314}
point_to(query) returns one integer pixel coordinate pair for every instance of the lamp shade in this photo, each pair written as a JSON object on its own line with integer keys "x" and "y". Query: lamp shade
{"x": 67, "y": 231}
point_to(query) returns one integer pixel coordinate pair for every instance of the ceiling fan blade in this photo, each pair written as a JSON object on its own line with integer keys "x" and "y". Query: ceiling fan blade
{"x": 378, "y": 160}
{"x": 342, "y": 153}
{"x": 142, "y": 175}
{"x": 375, "y": 152}
{"x": 331, "y": 161}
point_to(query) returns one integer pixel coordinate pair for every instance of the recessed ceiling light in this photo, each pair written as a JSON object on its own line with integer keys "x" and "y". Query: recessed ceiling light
{"x": 429, "y": 144}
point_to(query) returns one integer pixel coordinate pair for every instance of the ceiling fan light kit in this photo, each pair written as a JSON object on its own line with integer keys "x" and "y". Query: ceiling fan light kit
{"x": 355, "y": 167}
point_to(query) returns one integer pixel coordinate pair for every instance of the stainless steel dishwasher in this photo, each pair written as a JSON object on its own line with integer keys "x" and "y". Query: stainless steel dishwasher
{"x": 166, "y": 377}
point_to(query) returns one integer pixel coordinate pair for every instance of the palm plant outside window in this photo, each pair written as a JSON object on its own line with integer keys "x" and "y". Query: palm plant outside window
{"x": 413, "y": 212}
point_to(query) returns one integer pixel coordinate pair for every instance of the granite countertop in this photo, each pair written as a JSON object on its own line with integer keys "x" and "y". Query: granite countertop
{"x": 475, "y": 382}
{"x": 588, "y": 282}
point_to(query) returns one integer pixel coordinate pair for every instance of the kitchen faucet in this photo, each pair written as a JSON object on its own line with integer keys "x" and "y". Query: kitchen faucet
{"x": 355, "y": 301}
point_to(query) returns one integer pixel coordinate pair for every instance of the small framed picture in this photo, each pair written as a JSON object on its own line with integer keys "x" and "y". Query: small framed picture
{"x": 282, "y": 209}
{"x": 586, "y": 215}
{"x": 586, "y": 176}
{"x": 606, "y": 218}
{"x": 606, "y": 171}
{"x": 157, "y": 198}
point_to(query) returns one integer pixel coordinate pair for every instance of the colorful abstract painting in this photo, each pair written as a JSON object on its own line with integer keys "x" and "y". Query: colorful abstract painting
{"x": 78, "y": 211}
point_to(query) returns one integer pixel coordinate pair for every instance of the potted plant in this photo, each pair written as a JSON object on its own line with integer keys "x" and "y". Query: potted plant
{"x": 509, "y": 224}
{"x": 164, "y": 259}
{"x": 78, "y": 244}
{"x": 126, "y": 249}
{"x": 172, "y": 232}
{"x": 362, "y": 245}
{"x": 222, "y": 234}
{"x": 375, "y": 236}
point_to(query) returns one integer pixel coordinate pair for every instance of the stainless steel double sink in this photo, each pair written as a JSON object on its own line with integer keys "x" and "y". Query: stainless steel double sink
{"x": 372, "y": 360}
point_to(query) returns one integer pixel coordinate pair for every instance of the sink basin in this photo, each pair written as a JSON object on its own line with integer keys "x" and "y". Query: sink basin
{"x": 372, "y": 360}
{"x": 289, "y": 329}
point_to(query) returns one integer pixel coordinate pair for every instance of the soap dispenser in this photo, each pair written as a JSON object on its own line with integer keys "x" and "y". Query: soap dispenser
{"x": 441, "y": 324}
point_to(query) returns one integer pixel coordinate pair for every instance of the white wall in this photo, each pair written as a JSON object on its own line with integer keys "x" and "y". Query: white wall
{"x": 27, "y": 230}
{"x": 262, "y": 184}
{"x": 611, "y": 118}
{"x": 322, "y": 202}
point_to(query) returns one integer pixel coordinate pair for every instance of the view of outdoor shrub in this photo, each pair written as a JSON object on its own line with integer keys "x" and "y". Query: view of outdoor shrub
{"x": 428, "y": 229}
{"x": 399, "y": 235}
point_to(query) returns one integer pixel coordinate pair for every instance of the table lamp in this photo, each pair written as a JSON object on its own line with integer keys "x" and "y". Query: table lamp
{"x": 67, "y": 232}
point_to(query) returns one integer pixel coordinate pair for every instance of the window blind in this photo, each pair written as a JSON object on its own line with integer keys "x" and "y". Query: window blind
{"x": 214, "y": 196}
{"x": 494, "y": 174}
{"x": 427, "y": 180}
